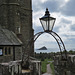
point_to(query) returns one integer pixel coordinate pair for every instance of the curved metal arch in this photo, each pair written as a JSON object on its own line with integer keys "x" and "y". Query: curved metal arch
{"x": 60, "y": 44}
{"x": 30, "y": 41}
{"x": 56, "y": 37}
{"x": 57, "y": 42}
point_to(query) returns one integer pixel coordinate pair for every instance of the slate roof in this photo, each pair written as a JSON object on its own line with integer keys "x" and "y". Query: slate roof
{"x": 8, "y": 38}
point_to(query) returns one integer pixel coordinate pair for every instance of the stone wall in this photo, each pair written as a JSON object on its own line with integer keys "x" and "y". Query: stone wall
{"x": 14, "y": 68}
{"x": 18, "y": 53}
{"x": 64, "y": 67}
{"x": 11, "y": 68}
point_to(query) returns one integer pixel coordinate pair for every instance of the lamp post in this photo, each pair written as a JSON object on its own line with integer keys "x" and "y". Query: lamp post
{"x": 47, "y": 21}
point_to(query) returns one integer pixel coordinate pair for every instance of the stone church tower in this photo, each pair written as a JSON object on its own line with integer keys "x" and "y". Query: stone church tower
{"x": 16, "y": 16}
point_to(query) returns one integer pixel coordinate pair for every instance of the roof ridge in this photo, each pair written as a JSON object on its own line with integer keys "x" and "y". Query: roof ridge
{"x": 16, "y": 37}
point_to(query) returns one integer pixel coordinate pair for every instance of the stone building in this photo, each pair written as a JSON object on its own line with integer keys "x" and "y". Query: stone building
{"x": 16, "y": 16}
{"x": 15, "y": 32}
{"x": 11, "y": 56}
{"x": 10, "y": 46}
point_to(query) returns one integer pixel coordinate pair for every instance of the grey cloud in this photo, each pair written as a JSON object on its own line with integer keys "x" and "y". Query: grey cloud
{"x": 73, "y": 27}
{"x": 69, "y": 8}
{"x": 56, "y": 29}
{"x": 66, "y": 21}
{"x": 70, "y": 41}
{"x": 52, "y": 5}
{"x": 37, "y": 29}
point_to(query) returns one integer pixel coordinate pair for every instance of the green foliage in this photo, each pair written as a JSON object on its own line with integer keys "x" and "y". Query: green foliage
{"x": 44, "y": 55}
{"x": 71, "y": 51}
{"x": 52, "y": 67}
{"x": 44, "y": 65}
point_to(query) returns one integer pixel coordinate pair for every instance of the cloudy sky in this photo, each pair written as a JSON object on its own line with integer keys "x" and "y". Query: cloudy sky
{"x": 64, "y": 12}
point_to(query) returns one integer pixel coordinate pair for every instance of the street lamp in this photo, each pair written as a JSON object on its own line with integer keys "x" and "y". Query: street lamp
{"x": 47, "y": 21}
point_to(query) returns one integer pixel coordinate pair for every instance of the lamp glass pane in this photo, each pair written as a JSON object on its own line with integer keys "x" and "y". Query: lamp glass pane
{"x": 47, "y": 23}
{"x": 51, "y": 21}
{"x": 44, "y": 23}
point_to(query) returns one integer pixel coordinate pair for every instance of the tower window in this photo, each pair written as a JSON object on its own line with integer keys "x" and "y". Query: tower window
{"x": 17, "y": 13}
{"x": 18, "y": 29}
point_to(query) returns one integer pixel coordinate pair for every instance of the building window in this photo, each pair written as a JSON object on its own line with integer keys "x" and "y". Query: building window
{"x": 1, "y": 51}
{"x": 9, "y": 50}
{"x": 17, "y": 13}
{"x": 5, "y": 50}
{"x": 18, "y": 29}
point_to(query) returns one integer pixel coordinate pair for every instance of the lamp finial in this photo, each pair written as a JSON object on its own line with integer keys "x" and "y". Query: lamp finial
{"x": 47, "y": 12}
